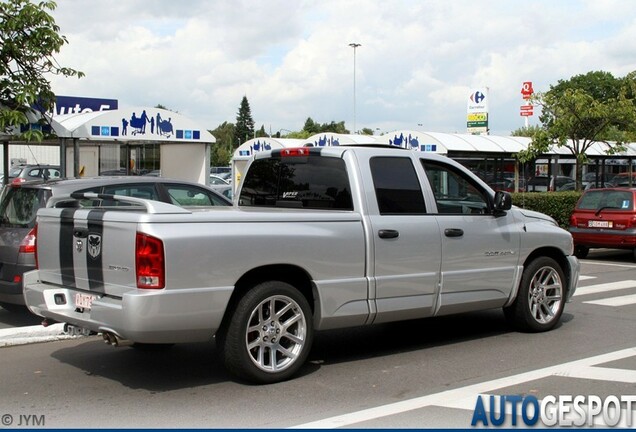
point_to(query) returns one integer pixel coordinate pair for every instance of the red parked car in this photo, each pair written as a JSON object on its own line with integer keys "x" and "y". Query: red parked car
{"x": 604, "y": 218}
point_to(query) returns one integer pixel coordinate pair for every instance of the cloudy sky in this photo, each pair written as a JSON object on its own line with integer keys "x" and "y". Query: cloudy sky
{"x": 417, "y": 64}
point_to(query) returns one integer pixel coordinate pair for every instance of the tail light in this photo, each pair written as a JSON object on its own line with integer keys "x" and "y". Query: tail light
{"x": 573, "y": 221}
{"x": 149, "y": 262}
{"x": 18, "y": 180}
{"x": 27, "y": 245}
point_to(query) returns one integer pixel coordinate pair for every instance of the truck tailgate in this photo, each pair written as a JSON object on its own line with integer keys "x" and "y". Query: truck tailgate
{"x": 82, "y": 250}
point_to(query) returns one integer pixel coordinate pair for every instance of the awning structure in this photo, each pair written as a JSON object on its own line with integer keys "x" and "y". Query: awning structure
{"x": 256, "y": 145}
{"x": 131, "y": 124}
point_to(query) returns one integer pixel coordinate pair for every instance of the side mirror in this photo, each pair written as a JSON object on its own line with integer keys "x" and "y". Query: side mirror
{"x": 503, "y": 202}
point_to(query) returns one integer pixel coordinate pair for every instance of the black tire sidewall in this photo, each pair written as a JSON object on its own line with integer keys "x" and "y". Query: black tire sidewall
{"x": 234, "y": 351}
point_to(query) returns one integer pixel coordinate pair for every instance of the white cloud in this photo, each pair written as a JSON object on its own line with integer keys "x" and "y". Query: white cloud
{"x": 417, "y": 63}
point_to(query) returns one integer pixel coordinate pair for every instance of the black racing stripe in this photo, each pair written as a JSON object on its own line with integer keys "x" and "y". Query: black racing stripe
{"x": 95, "y": 244}
{"x": 67, "y": 245}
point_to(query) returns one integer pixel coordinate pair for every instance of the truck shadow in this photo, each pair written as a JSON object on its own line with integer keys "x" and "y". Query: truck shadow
{"x": 197, "y": 364}
{"x": 18, "y": 318}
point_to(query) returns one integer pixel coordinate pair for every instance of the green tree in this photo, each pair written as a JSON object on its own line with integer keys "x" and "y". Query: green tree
{"x": 29, "y": 38}
{"x": 581, "y": 111}
{"x": 367, "y": 131}
{"x": 525, "y": 131}
{"x": 261, "y": 132}
{"x": 244, "y": 122}
{"x": 221, "y": 152}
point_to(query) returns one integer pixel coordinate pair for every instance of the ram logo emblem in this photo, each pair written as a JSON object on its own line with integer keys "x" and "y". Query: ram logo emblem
{"x": 94, "y": 245}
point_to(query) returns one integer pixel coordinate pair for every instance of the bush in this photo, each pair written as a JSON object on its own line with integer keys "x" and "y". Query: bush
{"x": 559, "y": 205}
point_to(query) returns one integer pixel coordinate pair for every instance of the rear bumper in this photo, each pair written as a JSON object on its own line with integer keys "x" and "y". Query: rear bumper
{"x": 146, "y": 316}
{"x": 11, "y": 292}
{"x": 604, "y": 238}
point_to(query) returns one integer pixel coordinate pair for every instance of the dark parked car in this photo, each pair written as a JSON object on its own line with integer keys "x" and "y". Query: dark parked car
{"x": 545, "y": 183}
{"x": 19, "y": 204}
{"x": 604, "y": 218}
{"x": 22, "y": 173}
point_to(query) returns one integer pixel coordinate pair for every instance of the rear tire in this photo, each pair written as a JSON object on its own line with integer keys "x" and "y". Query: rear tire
{"x": 541, "y": 297}
{"x": 269, "y": 334}
{"x": 581, "y": 251}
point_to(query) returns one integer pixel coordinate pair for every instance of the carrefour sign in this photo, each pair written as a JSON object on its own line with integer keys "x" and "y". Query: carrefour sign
{"x": 478, "y": 100}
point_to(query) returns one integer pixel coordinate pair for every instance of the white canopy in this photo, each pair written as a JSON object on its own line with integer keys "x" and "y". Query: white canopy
{"x": 131, "y": 124}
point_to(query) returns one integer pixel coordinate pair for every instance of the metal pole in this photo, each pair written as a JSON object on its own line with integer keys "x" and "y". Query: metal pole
{"x": 354, "y": 46}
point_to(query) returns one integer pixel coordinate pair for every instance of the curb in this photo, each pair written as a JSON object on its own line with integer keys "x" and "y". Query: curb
{"x": 33, "y": 334}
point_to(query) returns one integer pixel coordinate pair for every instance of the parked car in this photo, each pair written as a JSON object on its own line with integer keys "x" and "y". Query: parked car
{"x": 604, "y": 218}
{"x": 545, "y": 183}
{"x": 20, "y": 202}
{"x": 624, "y": 180}
{"x": 216, "y": 180}
{"x": 225, "y": 190}
{"x": 22, "y": 173}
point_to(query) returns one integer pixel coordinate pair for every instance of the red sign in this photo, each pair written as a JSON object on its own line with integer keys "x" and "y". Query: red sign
{"x": 527, "y": 107}
{"x": 527, "y": 90}
{"x": 525, "y": 113}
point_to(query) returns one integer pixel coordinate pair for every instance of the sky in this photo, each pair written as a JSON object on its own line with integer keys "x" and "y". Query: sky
{"x": 417, "y": 64}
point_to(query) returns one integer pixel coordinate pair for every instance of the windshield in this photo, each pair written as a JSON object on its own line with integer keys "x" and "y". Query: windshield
{"x": 19, "y": 206}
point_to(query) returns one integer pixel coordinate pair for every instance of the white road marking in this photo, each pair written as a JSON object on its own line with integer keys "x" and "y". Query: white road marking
{"x": 615, "y": 301}
{"x": 602, "y": 288}
{"x": 465, "y": 397}
{"x": 605, "y": 263}
{"x": 582, "y": 277}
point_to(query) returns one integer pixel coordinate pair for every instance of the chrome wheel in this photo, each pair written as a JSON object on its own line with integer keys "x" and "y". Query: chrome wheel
{"x": 545, "y": 295}
{"x": 276, "y": 333}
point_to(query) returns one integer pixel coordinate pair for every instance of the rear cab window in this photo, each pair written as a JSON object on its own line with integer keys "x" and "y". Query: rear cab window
{"x": 301, "y": 179}
{"x": 397, "y": 187}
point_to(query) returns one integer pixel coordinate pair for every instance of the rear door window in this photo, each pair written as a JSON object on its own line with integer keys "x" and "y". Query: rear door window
{"x": 312, "y": 182}
{"x": 397, "y": 187}
{"x": 19, "y": 206}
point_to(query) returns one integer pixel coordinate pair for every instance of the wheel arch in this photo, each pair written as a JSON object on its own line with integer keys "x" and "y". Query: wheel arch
{"x": 288, "y": 273}
{"x": 558, "y": 256}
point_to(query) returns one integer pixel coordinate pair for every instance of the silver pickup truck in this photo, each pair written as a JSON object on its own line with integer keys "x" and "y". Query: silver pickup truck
{"x": 318, "y": 238}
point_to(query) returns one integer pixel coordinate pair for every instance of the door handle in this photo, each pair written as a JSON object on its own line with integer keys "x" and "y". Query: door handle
{"x": 453, "y": 232}
{"x": 80, "y": 232}
{"x": 388, "y": 234}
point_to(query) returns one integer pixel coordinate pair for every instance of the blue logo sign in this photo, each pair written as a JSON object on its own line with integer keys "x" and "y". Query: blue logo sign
{"x": 77, "y": 105}
{"x": 477, "y": 97}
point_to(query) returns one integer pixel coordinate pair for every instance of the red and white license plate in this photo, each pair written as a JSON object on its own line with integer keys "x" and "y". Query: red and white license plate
{"x": 84, "y": 301}
{"x": 600, "y": 224}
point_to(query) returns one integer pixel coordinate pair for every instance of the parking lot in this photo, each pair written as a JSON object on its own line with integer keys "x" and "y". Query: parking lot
{"x": 416, "y": 374}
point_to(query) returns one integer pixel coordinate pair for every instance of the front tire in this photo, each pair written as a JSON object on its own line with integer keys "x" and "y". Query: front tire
{"x": 269, "y": 335}
{"x": 541, "y": 297}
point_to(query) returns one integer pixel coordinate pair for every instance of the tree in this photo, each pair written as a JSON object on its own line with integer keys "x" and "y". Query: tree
{"x": 581, "y": 111}
{"x": 525, "y": 131}
{"x": 29, "y": 38}
{"x": 221, "y": 151}
{"x": 261, "y": 132}
{"x": 244, "y": 122}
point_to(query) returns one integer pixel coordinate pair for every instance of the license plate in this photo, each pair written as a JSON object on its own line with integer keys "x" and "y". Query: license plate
{"x": 600, "y": 224}
{"x": 84, "y": 301}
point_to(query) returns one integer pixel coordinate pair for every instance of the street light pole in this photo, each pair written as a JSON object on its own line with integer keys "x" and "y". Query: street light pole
{"x": 354, "y": 46}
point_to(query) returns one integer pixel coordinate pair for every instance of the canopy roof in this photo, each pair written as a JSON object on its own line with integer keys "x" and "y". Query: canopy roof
{"x": 131, "y": 124}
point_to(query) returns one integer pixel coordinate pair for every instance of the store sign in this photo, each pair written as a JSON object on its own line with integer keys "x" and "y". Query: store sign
{"x": 477, "y": 111}
{"x": 77, "y": 105}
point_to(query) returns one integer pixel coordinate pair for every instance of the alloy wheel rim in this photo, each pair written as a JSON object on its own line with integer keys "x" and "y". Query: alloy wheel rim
{"x": 545, "y": 295}
{"x": 276, "y": 334}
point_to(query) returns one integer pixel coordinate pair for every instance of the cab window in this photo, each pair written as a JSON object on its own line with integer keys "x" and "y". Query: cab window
{"x": 397, "y": 187}
{"x": 455, "y": 193}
